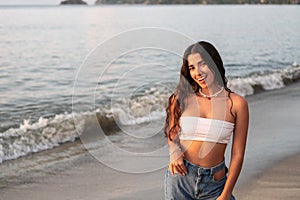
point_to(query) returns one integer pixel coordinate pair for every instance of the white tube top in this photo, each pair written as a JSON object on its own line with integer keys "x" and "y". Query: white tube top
{"x": 204, "y": 129}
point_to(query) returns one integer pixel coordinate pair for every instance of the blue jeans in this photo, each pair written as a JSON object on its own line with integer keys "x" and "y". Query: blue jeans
{"x": 197, "y": 184}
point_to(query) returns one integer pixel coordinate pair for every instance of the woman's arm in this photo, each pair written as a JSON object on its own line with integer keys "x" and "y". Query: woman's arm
{"x": 240, "y": 107}
{"x": 176, "y": 158}
{"x": 176, "y": 155}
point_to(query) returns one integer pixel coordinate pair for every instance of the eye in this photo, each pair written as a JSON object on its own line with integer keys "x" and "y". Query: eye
{"x": 191, "y": 68}
{"x": 201, "y": 63}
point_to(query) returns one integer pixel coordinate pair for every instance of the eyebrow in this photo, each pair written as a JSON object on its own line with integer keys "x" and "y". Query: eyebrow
{"x": 198, "y": 62}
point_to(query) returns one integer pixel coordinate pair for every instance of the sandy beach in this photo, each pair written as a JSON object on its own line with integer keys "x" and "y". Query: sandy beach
{"x": 271, "y": 167}
{"x": 281, "y": 181}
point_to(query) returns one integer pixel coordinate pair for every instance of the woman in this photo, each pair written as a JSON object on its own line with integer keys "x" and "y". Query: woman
{"x": 202, "y": 115}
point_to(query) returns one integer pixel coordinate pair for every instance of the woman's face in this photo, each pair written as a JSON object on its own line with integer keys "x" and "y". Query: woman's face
{"x": 199, "y": 71}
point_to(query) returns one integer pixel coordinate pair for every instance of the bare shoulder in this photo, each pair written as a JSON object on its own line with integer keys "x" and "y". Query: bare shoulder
{"x": 239, "y": 102}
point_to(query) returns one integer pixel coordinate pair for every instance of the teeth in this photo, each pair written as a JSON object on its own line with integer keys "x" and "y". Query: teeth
{"x": 200, "y": 79}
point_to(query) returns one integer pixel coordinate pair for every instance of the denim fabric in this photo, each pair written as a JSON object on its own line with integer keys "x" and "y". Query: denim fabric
{"x": 197, "y": 184}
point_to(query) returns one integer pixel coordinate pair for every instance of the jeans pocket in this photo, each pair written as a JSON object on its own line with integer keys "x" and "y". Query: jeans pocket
{"x": 218, "y": 177}
{"x": 220, "y": 180}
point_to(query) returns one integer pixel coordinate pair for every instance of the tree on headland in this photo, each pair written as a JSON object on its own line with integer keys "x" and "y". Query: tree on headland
{"x": 71, "y": 2}
{"x": 148, "y": 2}
{"x": 197, "y": 2}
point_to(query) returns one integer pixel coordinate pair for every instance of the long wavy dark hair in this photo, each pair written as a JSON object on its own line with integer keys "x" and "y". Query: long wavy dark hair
{"x": 187, "y": 85}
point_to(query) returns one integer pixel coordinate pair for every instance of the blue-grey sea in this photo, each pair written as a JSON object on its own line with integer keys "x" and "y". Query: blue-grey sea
{"x": 60, "y": 65}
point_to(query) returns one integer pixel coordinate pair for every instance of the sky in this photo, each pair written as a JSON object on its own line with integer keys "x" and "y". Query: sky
{"x": 37, "y": 2}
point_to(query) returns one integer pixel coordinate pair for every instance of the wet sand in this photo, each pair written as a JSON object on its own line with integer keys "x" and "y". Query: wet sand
{"x": 271, "y": 168}
{"x": 280, "y": 181}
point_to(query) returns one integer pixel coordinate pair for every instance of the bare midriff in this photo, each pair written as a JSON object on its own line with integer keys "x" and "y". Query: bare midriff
{"x": 204, "y": 154}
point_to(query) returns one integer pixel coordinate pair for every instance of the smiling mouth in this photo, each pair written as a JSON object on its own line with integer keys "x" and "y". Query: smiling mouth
{"x": 202, "y": 78}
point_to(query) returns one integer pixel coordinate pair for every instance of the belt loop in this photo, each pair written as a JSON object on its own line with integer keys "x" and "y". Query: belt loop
{"x": 199, "y": 171}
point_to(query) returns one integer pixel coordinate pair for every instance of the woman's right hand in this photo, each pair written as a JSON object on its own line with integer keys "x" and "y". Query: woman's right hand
{"x": 177, "y": 166}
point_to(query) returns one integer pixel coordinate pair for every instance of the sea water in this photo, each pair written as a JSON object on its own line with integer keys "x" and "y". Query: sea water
{"x": 44, "y": 48}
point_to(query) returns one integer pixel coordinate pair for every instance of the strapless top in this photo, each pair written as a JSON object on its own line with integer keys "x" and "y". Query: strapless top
{"x": 205, "y": 129}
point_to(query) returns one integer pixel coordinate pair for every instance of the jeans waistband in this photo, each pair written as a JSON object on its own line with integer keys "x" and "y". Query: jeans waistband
{"x": 204, "y": 170}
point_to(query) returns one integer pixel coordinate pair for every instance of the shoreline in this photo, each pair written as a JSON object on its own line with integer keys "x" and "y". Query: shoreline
{"x": 83, "y": 177}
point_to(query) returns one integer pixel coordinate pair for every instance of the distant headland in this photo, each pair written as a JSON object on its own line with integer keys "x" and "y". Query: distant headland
{"x": 99, "y": 2}
{"x": 73, "y": 2}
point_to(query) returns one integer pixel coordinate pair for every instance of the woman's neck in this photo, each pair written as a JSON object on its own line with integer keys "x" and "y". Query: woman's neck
{"x": 213, "y": 89}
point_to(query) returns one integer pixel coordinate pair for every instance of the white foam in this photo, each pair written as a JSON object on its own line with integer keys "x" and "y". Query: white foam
{"x": 41, "y": 135}
{"x": 42, "y": 122}
{"x": 268, "y": 81}
{"x": 294, "y": 64}
{"x": 244, "y": 86}
{"x": 126, "y": 119}
{"x": 1, "y": 152}
{"x": 141, "y": 109}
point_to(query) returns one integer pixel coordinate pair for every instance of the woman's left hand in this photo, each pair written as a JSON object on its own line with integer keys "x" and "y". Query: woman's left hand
{"x": 223, "y": 198}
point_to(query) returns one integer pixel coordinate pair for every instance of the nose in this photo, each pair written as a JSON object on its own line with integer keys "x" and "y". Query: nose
{"x": 199, "y": 70}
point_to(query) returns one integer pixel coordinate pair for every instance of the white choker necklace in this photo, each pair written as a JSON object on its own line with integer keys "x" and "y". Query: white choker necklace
{"x": 211, "y": 96}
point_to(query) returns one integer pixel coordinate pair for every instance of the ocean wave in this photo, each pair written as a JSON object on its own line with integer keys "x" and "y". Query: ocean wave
{"x": 265, "y": 80}
{"x": 47, "y": 133}
{"x": 41, "y": 135}
{"x": 147, "y": 106}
